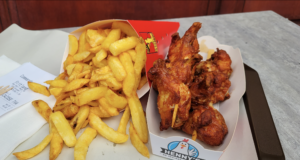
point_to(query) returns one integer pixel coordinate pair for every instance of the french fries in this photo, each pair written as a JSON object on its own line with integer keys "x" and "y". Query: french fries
{"x": 108, "y": 108}
{"x": 123, "y": 45}
{"x": 76, "y": 70}
{"x": 62, "y": 104}
{"x": 105, "y": 131}
{"x": 113, "y": 84}
{"x": 35, "y": 150}
{"x": 95, "y": 49}
{"x": 117, "y": 68}
{"x": 64, "y": 129}
{"x": 129, "y": 81}
{"x": 75, "y": 84}
{"x": 102, "y": 54}
{"x": 86, "y": 122}
{"x": 56, "y": 143}
{"x": 82, "y": 42}
{"x": 81, "y": 56}
{"x": 38, "y": 88}
{"x": 43, "y": 109}
{"x": 113, "y": 36}
{"x": 61, "y": 76}
{"x": 80, "y": 118}
{"x": 73, "y": 45}
{"x": 70, "y": 111}
{"x": 58, "y": 83}
{"x": 101, "y": 75}
{"x": 124, "y": 121}
{"x": 82, "y": 145}
{"x": 138, "y": 117}
{"x": 115, "y": 100}
{"x": 68, "y": 61}
{"x": 137, "y": 143}
{"x": 132, "y": 53}
{"x": 94, "y": 38}
{"x": 90, "y": 94}
{"x": 100, "y": 112}
{"x": 141, "y": 57}
{"x": 55, "y": 91}
{"x": 93, "y": 104}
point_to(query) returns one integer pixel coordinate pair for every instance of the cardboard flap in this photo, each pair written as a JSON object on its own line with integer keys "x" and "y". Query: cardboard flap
{"x": 157, "y": 36}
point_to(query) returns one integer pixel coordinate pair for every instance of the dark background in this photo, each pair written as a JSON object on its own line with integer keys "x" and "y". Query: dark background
{"x": 49, "y": 14}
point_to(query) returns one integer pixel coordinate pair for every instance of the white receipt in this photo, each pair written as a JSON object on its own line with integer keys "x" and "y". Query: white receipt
{"x": 21, "y": 94}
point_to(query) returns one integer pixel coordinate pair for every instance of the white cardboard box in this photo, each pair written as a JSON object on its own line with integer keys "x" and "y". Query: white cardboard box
{"x": 164, "y": 142}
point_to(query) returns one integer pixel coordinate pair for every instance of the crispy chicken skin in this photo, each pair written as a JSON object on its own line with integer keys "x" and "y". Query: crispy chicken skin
{"x": 211, "y": 79}
{"x": 209, "y": 124}
{"x": 183, "y": 54}
{"x": 194, "y": 86}
{"x": 171, "y": 92}
{"x": 171, "y": 77}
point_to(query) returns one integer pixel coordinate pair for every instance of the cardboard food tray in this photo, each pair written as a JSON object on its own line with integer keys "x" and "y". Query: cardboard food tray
{"x": 163, "y": 142}
{"x": 262, "y": 126}
{"x": 145, "y": 29}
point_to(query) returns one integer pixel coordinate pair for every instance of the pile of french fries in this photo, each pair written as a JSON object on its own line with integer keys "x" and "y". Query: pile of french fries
{"x": 103, "y": 71}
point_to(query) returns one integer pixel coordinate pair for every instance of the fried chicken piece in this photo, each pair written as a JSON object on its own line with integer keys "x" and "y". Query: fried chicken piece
{"x": 209, "y": 124}
{"x": 170, "y": 77}
{"x": 188, "y": 125}
{"x": 183, "y": 54}
{"x": 211, "y": 79}
{"x": 171, "y": 92}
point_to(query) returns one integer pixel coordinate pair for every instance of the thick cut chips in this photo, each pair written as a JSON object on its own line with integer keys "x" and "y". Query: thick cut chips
{"x": 73, "y": 45}
{"x": 123, "y": 45}
{"x": 115, "y": 100}
{"x": 75, "y": 84}
{"x": 105, "y": 131}
{"x": 129, "y": 81}
{"x": 80, "y": 118}
{"x": 124, "y": 121}
{"x": 137, "y": 143}
{"x": 116, "y": 67}
{"x": 64, "y": 129}
{"x": 100, "y": 112}
{"x": 90, "y": 95}
{"x": 107, "y": 107}
{"x": 56, "y": 143}
{"x": 35, "y": 150}
{"x": 35, "y": 87}
{"x": 138, "y": 117}
{"x": 113, "y": 36}
{"x": 82, "y": 145}
{"x": 43, "y": 109}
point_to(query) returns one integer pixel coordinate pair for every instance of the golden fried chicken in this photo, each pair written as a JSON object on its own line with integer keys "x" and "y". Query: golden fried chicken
{"x": 171, "y": 92}
{"x": 209, "y": 124}
{"x": 183, "y": 54}
{"x": 171, "y": 76}
{"x": 183, "y": 81}
{"x": 211, "y": 79}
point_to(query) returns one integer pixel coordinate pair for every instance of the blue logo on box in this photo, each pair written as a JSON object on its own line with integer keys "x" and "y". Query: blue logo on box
{"x": 181, "y": 150}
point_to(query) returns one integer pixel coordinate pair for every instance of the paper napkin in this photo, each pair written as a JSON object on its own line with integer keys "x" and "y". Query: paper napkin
{"x": 20, "y": 123}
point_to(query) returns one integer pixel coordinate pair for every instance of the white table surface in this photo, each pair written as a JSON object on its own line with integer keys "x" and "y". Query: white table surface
{"x": 241, "y": 147}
